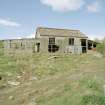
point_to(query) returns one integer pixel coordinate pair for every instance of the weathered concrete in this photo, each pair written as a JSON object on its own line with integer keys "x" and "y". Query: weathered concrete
{"x": 61, "y": 39}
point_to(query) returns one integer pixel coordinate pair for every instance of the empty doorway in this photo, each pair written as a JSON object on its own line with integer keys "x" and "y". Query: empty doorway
{"x": 38, "y": 47}
{"x": 84, "y": 45}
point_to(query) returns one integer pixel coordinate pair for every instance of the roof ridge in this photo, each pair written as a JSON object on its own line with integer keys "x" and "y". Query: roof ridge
{"x": 58, "y": 28}
{"x": 60, "y": 32}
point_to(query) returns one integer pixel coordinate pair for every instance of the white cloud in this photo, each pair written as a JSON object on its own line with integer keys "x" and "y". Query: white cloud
{"x": 19, "y": 38}
{"x": 94, "y": 7}
{"x": 31, "y": 35}
{"x": 98, "y": 36}
{"x": 27, "y": 36}
{"x": 63, "y": 5}
{"x": 5, "y": 22}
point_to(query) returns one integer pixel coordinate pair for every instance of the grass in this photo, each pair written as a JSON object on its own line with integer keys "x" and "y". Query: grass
{"x": 63, "y": 80}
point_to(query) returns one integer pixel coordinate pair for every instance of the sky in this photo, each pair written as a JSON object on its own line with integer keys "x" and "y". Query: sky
{"x": 20, "y": 18}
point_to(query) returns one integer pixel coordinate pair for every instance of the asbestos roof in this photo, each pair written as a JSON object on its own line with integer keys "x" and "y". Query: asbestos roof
{"x": 60, "y": 32}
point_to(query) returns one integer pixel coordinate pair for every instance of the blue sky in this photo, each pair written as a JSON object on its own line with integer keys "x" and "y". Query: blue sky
{"x": 20, "y": 18}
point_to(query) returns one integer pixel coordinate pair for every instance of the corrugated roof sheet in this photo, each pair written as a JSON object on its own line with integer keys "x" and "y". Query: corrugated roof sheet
{"x": 60, "y": 32}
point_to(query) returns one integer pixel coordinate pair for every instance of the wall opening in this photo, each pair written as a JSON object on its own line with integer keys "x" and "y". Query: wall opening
{"x": 52, "y": 47}
{"x": 71, "y": 41}
{"x": 91, "y": 45}
{"x": 38, "y": 47}
{"x": 84, "y": 45}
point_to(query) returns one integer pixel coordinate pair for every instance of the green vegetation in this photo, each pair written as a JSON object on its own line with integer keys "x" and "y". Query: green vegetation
{"x": 93, "y": 100}
{"x": 1, "y": 47}
{"x": 101, "y": 47}
{"x": 1, "y": 44}
{"x": 46, "y": 79}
